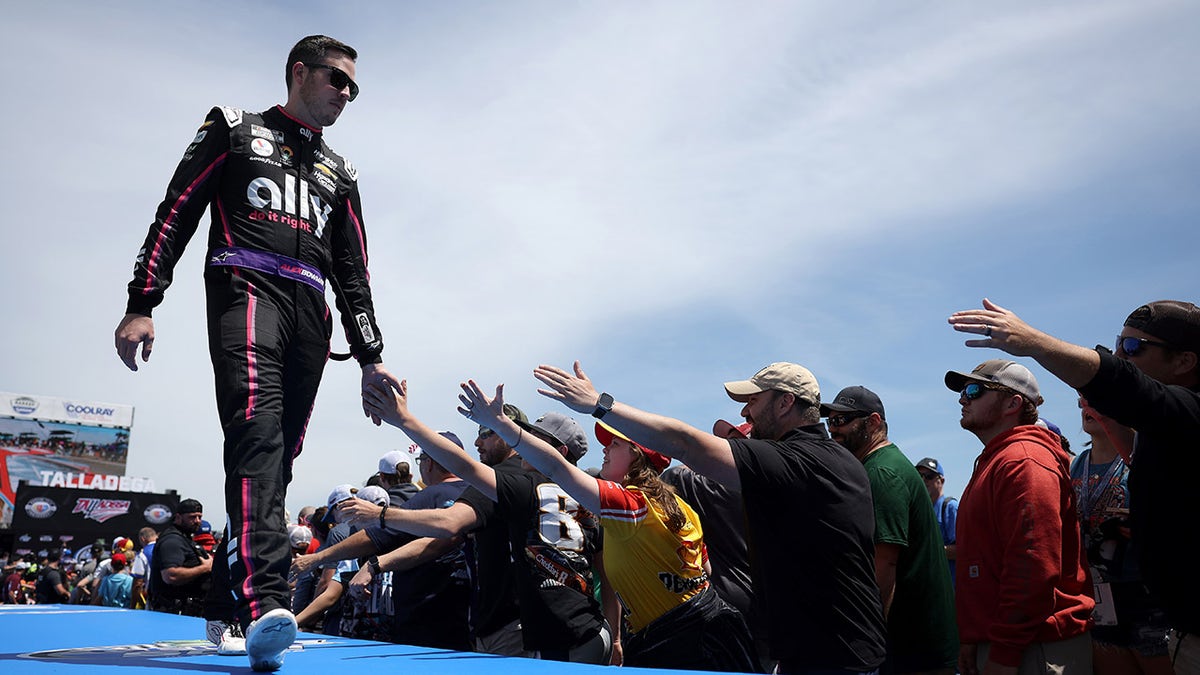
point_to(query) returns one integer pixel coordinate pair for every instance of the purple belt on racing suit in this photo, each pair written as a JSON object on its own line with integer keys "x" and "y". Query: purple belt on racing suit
{"x": 271, "y": 263}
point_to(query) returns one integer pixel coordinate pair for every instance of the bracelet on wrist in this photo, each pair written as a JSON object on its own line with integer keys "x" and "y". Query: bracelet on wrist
{"x": 383, "y": 517}
{"x": 520, "y": 437}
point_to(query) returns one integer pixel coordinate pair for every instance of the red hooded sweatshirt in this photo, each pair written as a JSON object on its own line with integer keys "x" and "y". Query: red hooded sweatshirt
{"x": 1021, "y": 570}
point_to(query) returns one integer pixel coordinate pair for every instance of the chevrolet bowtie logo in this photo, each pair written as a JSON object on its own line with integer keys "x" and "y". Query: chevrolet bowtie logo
{"x": 223, "y": 256}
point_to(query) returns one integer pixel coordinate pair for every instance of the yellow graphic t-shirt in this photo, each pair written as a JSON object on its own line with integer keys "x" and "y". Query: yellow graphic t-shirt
{"x": 652, "y": 569}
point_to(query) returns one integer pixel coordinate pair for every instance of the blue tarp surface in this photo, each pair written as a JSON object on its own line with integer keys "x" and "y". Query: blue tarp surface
{"x": 40, "y": 639}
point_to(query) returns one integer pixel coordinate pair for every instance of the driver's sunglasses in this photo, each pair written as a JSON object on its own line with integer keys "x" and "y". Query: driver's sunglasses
{"x": 1132, "y": 346}
{"x": 338, "y": 78}
{"x": 484, "y": 432}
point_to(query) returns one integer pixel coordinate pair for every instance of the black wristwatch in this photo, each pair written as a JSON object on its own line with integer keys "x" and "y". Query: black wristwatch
{"x": 603, "y": 406}
{"x": 373, "y": 563}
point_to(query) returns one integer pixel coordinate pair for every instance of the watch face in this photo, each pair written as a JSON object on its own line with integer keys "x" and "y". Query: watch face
{"x": 603, "y": 406}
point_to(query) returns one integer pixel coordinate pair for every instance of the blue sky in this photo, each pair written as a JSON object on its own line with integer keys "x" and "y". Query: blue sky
{"x": 675, "y": 193}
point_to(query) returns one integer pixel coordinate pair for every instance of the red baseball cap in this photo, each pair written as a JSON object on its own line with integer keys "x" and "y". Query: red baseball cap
{"x": 605, "y": 434}
{"x": 728, "y": 430}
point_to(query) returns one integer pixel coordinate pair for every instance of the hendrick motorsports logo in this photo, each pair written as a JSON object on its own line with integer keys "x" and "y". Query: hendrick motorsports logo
{"x": 23, "y": 405}
{"x": 101, "y": 510}
{"x": 157, "y": 513}
{"x": 40, "y": 508}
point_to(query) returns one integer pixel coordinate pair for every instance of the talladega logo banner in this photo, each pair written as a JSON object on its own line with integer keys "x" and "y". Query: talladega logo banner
{"x": 59, "y": 516}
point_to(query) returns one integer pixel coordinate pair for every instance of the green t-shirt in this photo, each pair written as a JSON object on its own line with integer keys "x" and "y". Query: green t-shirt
{"x": 921, "y": 629}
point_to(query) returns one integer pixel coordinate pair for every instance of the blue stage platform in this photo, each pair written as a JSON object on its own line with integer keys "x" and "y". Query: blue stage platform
{"x": 42, "y": 639}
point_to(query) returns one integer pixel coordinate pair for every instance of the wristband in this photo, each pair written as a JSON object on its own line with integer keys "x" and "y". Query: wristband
{"x": 383, "y": 517}
{"x": 373, "y": 563}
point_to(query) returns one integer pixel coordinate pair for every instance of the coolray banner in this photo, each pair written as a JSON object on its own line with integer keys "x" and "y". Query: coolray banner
{"x": 49, "y": 434}
{"x": 70, "y": 410}
{"x": 46, "y": 517}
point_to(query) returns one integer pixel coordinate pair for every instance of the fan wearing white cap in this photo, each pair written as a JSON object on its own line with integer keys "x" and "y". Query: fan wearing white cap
{"x": 366, "y": 615}
{"x": 338, "y": 573}
{"x": 1022, "y": 588}
{"x": 395, "y": 474}
{"x": 1149, "y": 381}
{"x": 791, "y": 475}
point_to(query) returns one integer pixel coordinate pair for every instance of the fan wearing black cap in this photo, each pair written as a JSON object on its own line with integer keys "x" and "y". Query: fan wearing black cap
{"x": 808, "y": 509}
{"x": 1152, "y": 384}
{"x": 181, "y": 570}
{"x": 554, "y": 542}
{"x": 51, "y": 587}
{"x": 945, "y": 507}
{"x": 914, "y": 583}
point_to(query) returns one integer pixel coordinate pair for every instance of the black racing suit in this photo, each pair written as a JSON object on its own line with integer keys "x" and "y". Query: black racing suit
{"x": 285, "y": 217}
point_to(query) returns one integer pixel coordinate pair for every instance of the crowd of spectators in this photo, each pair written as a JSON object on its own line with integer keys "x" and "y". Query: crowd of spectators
{"x": 115, "y": 575}
{"x": 117, "y": 451}
{"x": 782, "y": 544}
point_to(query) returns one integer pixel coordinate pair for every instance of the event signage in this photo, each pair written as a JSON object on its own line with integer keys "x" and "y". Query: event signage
{"x": 96, "y": 481}
{"x": 73, "y": 440}
{"x": 55, "y": 409}
{"x": 65, "y": 515}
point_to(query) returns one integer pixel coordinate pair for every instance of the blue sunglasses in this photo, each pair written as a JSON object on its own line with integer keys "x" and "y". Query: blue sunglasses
{"x": 974, "y": 390}
{"x": 1132, "y": 346}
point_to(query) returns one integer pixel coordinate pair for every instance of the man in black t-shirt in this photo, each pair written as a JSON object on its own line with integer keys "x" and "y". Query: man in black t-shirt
{"x": 180, "y": 569}
{"x": 51, "y": 585}
{"x": 555, "y": 584}
{"x": 810, "y": 522}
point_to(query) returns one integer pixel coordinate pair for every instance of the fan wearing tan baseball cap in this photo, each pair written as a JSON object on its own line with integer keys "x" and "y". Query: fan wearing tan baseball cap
{"x": 823, "y": 609}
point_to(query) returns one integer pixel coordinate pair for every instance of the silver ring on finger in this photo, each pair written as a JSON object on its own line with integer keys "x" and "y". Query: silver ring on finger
{"x": 988, "y": 331}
